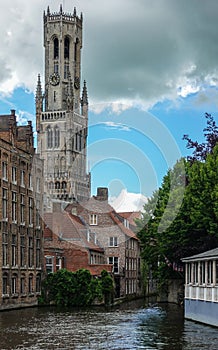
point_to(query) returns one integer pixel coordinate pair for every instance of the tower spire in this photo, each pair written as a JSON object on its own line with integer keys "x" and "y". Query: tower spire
{"x": 84, "y": 100}
{"x": 38, "y": 102}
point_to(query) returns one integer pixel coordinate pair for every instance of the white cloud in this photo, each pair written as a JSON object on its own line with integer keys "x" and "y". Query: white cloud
{"x": 128, "y": 202}
{"x": 118, "y": 126}
{"x": 131, "y": 55}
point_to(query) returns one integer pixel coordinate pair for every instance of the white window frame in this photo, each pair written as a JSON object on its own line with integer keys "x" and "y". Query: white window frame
{"x": 4, "y": 204}
{"x": 111, "y": 261}
{"x": 49, "y": 263}
{"x": 14, "y": 175}
{"x": 5, "y": 171}
{"x": 113, "y": 241}
{"x": 22, "y": 178}
{"x": 93, "y": 219}
{"x": 14, "y": 207}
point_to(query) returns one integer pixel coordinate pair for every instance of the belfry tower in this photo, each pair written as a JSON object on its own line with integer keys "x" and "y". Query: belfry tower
{"x": 62, "y": 110}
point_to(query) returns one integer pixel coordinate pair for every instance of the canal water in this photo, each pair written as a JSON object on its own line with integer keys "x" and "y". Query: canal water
{"x": 130, "y": 326}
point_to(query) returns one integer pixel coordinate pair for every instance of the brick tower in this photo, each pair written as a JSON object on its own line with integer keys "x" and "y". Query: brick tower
{"x": 62, "y": 111}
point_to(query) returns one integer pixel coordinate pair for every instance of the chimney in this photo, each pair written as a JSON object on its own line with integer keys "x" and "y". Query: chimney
{"x": 102, "y": 194}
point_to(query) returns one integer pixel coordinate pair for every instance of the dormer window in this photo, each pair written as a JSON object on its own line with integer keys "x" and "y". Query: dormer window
{"x": 93, "y": 219}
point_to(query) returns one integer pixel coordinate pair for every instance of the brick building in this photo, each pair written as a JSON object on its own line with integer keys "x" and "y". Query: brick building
{"x": 69, "y": 244}
{"x": 120, "y": 244}
{"x": 21, "y": 239}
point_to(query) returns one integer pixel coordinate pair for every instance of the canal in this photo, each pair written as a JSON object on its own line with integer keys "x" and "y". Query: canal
{"x": 130, "y": 326}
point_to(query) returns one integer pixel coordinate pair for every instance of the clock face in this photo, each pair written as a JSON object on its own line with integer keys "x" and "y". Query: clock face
{"x": 54, "y": 79}
{"x": 76, "y": 83}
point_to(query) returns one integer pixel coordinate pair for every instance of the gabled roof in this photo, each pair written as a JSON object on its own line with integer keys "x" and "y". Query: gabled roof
{"x": 94, "y": 205}
{"x": 70, "y": 228}
{"x": 131, "y": 216}
{"x": 124, "y": 229}
{"x": 208, "y": 255}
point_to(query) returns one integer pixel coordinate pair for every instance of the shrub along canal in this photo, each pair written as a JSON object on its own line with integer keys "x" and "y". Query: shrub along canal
{"x": 129, "y": 326}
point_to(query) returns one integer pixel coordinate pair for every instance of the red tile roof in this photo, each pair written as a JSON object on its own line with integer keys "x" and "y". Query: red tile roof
{"x": 70, "y": 228}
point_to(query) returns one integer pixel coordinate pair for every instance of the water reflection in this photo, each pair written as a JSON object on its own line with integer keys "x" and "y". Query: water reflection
{"x": 128, "y": 327}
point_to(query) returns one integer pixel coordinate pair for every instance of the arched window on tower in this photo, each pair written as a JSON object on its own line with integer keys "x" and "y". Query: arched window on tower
{"x": 49, "y": 137}
{"x": 56, "y": 48}
{"x": 76, "y": 50}
{"x": 56, "y": 137}
{"x": 66, "y": 48}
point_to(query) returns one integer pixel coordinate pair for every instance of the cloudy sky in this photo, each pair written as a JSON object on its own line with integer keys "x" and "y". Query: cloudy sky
{"x": 151, "y": 70}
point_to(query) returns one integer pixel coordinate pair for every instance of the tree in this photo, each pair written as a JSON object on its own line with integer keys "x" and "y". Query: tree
{"x": 78, "y": 288}
{"x": 181, "y": 218}
{"x": 201, "y": 150}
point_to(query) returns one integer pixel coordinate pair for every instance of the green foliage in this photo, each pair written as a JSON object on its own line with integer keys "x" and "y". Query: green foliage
{"x": 107, "y": 287}
{"x": 78, "y": 288}
{"x": 181, "y": 218}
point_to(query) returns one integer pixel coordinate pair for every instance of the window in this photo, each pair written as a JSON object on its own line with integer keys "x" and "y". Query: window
{"x": 14, "y": 175}
{"x": 4, "y": 203}
{"x": 14, "y": 207}
{"x": 4, "y": 171}
{"x": 210, "y": 272}
{"x": 37, "y": 214}
{"x": 189, "y": 273}
{"x": 22, "y": 251}
{"x": 49, "y": 264}
{"x": 66, "y": 70}
{"x": 56, "y": 48}
{"x": 14, "y": 284}
{"x": 216, "y": 272}
{"x": 30, "y": 181}
{"x": 22, "y": 285}
{"x": 76, "y": 49}
{"x": 56, "y": 137}
{"x": 38, "y": 184}
{"x": 4, "y": 249}
{"x": 30, "y": 211}
{"x": 78, "y": 141}
{"x": 30, "y": 262}
{"x": 5, "y": 284}
{"x": 126, "y": 223}
{"x": 113, "y": 242}
{"x": 49, "y": 137}
{"x": 54, "y": 96}
{"x": 38, "y": 251}
{"x": 56, "y": 67}
{"x": 66, "y": 48}
{"x": 58, "y": 263}
{"x": 195, "y": 272}
{"x": 14, "y": 250}
{"x": 30, "y": 286}
{"x": 38, "y": 283}
{"x": 93, "y": 219}
{"x": 22, "y": 209}
{"x": 202, "y": 272}
{"x": 113, "y": 260}
{"x": 22, "y": 178}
